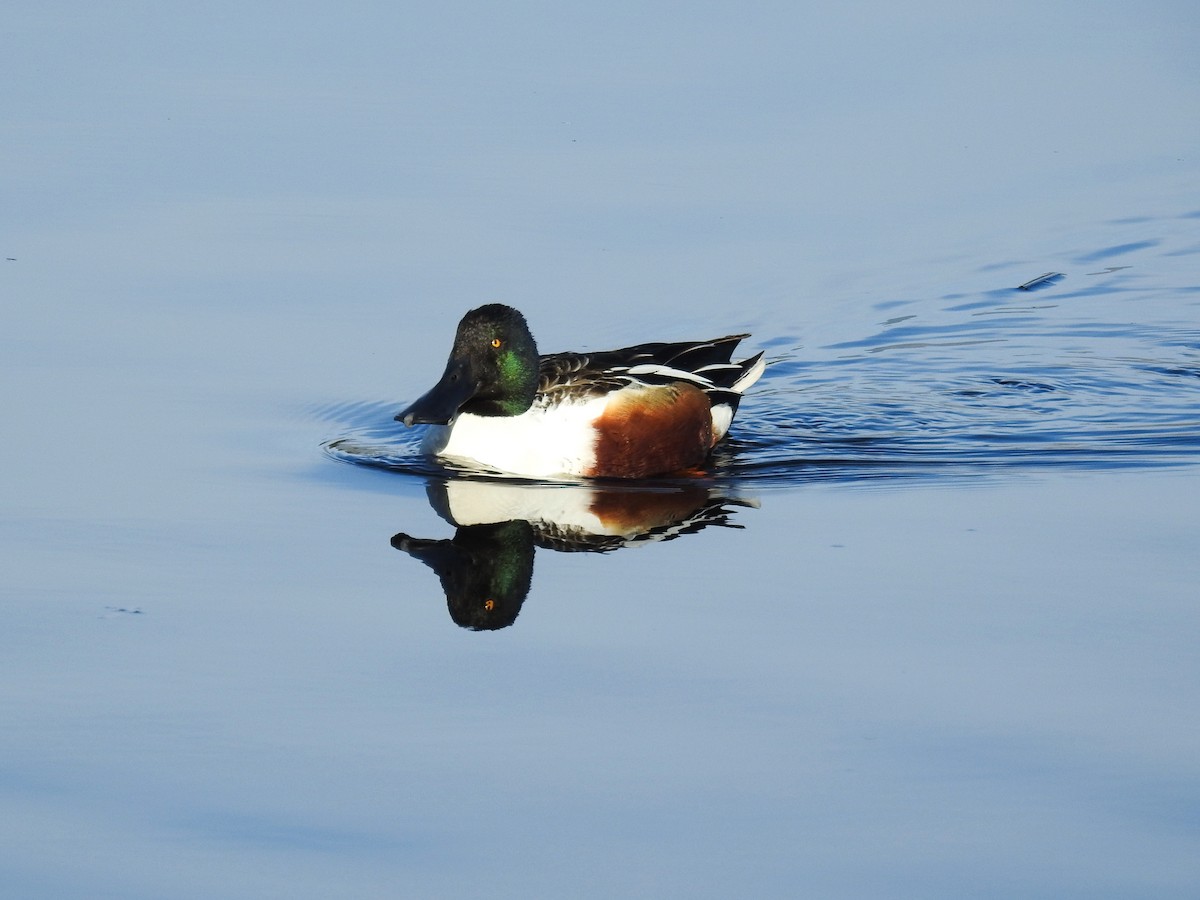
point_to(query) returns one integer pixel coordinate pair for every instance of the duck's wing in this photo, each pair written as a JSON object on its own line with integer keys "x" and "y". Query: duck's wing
{"x": 687, "y": 356}
{"x": 563, "y": 376}
{"x": 708, "y": 364}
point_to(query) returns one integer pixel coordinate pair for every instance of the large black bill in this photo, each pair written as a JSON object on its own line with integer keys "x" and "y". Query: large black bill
{"x": 441, "y": 403}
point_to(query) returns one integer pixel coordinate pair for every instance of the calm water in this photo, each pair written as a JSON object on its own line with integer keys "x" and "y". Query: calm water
{"x": 927, "y": 626}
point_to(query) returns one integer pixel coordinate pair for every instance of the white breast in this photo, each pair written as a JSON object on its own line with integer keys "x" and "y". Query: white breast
{"x": 541, "y": 443}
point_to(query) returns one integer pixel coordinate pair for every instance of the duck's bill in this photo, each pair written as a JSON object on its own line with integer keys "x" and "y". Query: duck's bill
{"x": 441, "y": 403}
{"x": 441, "y": 556}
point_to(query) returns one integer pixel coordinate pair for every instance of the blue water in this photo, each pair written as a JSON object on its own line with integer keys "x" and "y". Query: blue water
{"x": 926, "y": 627}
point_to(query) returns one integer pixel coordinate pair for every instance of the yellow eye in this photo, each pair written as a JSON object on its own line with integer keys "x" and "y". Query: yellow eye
{"x": 496, "y": 342}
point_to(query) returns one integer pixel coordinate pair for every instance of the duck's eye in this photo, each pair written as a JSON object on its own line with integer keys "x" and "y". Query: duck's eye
{"x": 496, "y": 342}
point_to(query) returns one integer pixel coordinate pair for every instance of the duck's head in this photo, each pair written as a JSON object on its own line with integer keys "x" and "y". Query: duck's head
{"x": 492, "y": 370}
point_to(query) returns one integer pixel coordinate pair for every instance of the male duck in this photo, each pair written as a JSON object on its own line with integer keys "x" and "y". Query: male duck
{"x": 630, "y": 413}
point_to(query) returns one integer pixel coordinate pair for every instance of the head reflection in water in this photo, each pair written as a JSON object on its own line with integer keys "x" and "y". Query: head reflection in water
{"x": 486, "y": 569}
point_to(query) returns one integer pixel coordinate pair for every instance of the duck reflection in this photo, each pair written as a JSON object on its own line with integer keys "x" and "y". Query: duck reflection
{"x": 486, "y": 569}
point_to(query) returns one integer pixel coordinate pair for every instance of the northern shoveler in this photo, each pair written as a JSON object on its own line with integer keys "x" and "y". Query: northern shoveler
{"x": 629, "y": 413}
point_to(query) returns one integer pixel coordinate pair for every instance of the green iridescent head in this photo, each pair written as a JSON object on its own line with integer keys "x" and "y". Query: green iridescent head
{"x": 492, "y": 370}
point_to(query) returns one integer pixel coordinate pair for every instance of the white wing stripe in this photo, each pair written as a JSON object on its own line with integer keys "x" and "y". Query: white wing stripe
{"x": 668, "y": 372}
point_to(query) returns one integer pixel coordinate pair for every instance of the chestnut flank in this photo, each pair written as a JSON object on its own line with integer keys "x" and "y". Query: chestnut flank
{"x": 653, "y": 431}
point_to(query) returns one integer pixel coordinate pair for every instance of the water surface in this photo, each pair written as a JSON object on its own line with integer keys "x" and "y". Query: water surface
{"x": 926, "y": 627}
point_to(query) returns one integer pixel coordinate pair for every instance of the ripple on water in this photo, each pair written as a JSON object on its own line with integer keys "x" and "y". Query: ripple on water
{"x": 1102, "y": 371}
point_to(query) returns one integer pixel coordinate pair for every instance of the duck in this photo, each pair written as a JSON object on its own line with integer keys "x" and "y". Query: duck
{"x": 648, "y": 410}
